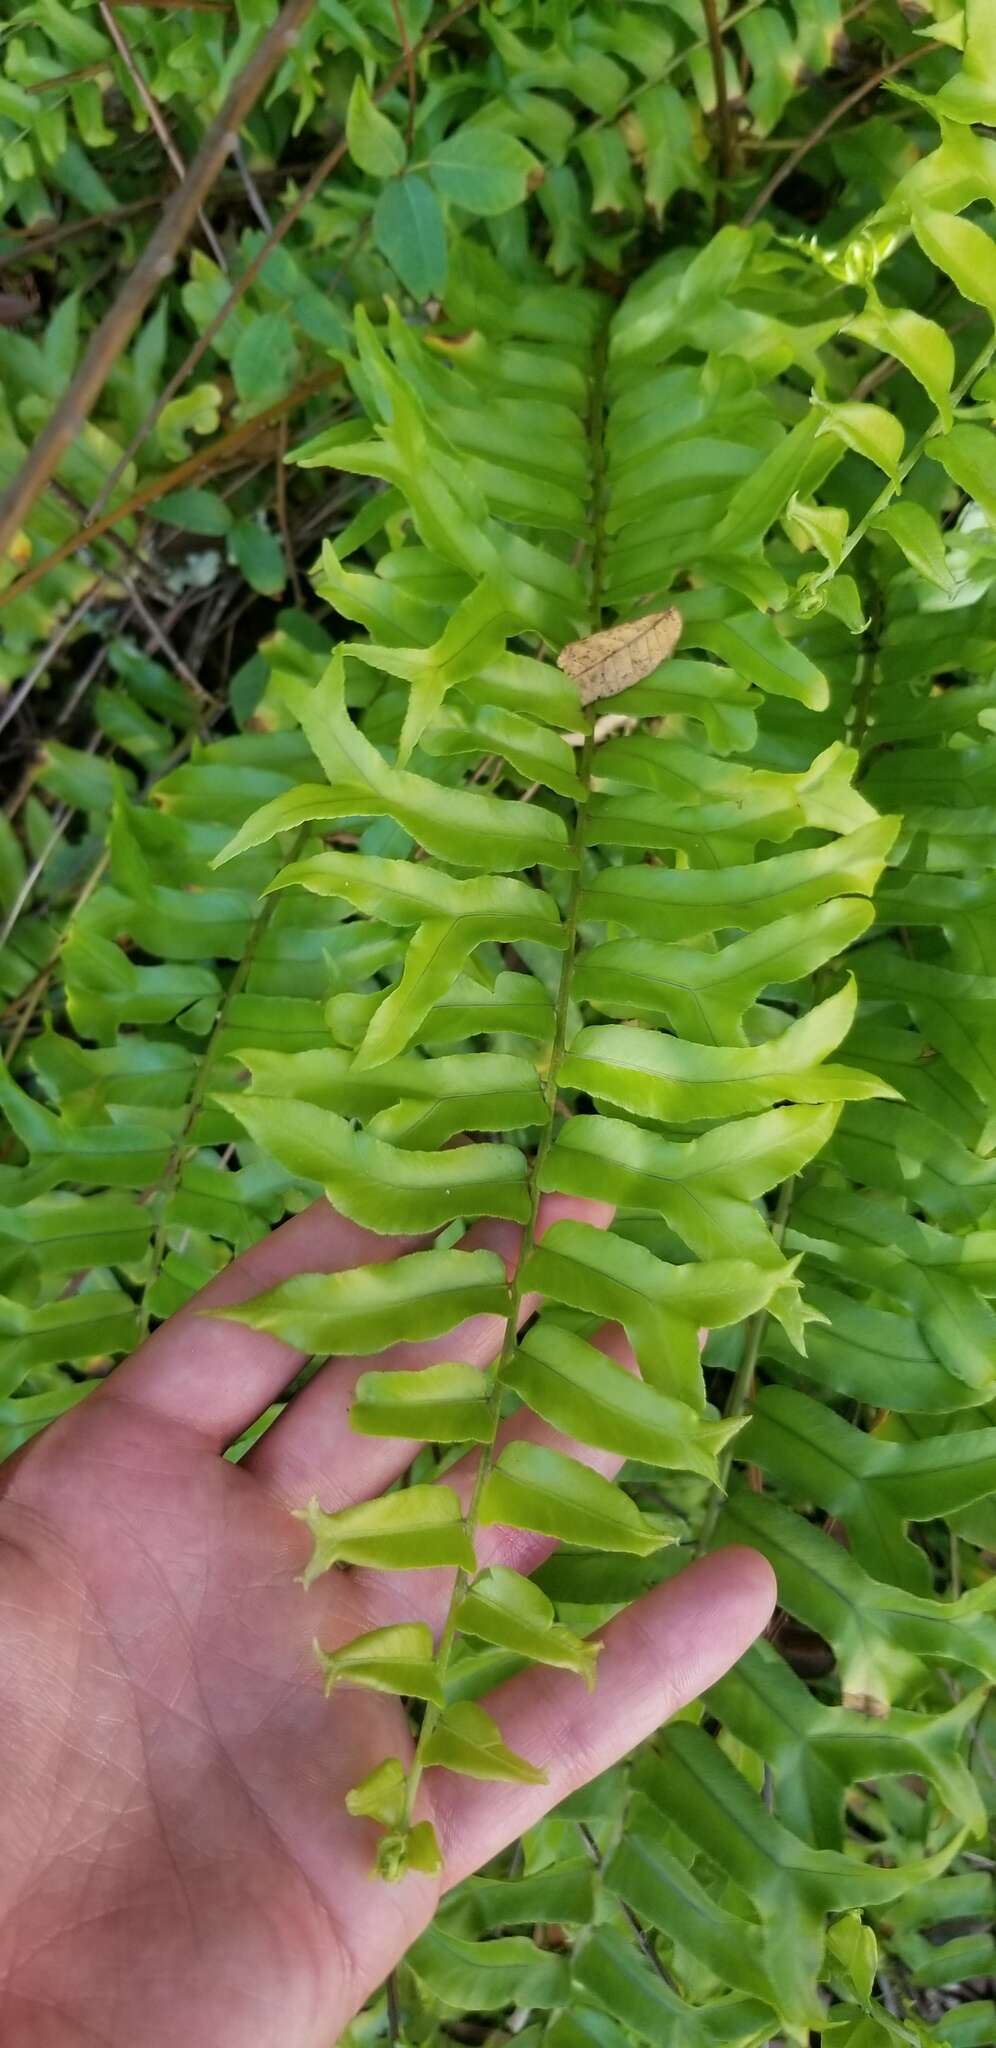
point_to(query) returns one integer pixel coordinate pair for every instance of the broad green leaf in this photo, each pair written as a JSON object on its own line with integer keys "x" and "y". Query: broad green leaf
{"x": 473, "y": 636}
{"x": 822, "y": 526}
{"x": 365, "y": 1308}
{"x": 462, "y": 1008}
{"x": 77, "y": 1330}
{"x": 754, "y": 648}
{"x": 881, "y": 1633}
{"x": 660, "y": 1307}
{"x": 408, "y": 229}
{"x": 481, "y": 169}
{"x": 376, "y": 1184}
{"x": 816, "y": 1751}
{"x": 870, "y": 431}
{"x": 380, "y": 1795}
{"x": 912, "y": 528}
{"x": 970, "y": 95}
{"x": 67, "y": 1232}
{"x": 683, "y": 902}
{"x": 399, "y": 1659}
{"x": 872, "y": 1484}
{"x": 611, "y": 1969}
{"x": 964, "y": 252}
{"x": 463, "y": 826}
{"x": 586, "y": 1395}
{"x": 488, "y": 1976}
{"x": 969, "y": 456}
{"x": 921, "y": 345}
{"x": 446, "y": 1404}
{"x": 467, "y": 1740}
{"x": 662, "y": 1891}
{"x": 411, "y": 1100}
{"x": 407, "y": 892}
{"x": 790, "y": 1885}
{"x": 636, "y": 1168}
{"x": 705, "y": 994}
{"x": 408, "y": 1531}
{"x": 652, "y": 1075}
{"x": 502, "y": 1608}
{"x": 761, "y": 498}
{"x": 565, "y": 1891}
{"x": 195, "y": 511}
{"x": 535, "y": 1488}
{"x": 375, "y": 144}
{"x": 537, "y": 753}
{"x": 854, "y": 1947}
{"x": 264, "y": 361}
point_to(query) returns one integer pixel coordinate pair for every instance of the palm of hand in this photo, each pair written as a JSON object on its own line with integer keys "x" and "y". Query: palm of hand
{"x": 187, "y": 1777}
{"x": 176, "y": 1862}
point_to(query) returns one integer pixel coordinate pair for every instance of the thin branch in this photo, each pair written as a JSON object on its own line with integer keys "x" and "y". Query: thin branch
{"x": 24, "y": 247}
{"x": 635, "y": 1922}
{"x": 69, "y": 77}
{"x": 36, "y": 991}
{"x": 250, "y": 187}
{"x": 830, "y": 120}
{"x": 217, "y": 454}
{"x": 393, "y": 2008}
{"x": 48, "y": 653}
{"x": 155, "y": 114}
{"x": 35, "y": 871}
{"x": 409, "y": 57}
{"x": 309, "y": 191}
{"x": 154, "y": 265}
{"x": 165, "y": 645}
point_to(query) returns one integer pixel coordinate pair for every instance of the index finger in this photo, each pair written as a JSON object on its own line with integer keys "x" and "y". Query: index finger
{"x": 217, "y": 1377}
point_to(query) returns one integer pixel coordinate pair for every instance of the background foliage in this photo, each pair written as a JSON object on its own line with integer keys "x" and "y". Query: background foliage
{"x": 566, "y": 313}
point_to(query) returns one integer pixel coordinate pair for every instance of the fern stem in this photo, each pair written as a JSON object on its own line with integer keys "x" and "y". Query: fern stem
{"x": 743, "y": 1380}
{"x": 552, "y": 1084}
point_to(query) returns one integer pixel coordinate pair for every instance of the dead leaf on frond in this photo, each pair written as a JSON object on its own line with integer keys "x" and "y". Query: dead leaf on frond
{"x": 607, "y": 662}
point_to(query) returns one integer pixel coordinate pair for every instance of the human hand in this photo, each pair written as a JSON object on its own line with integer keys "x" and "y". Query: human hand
{"x": 177, "y": 1868}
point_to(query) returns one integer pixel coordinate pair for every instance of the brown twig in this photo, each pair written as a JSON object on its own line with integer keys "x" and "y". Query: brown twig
{"x": 724, "y": 122}
{"x": 407, "y": 52}
{"x": 830, "y": 120}
{"x": 123, "y": 547}
{"x": 155, "y": 114}
{"x": 153, "y": 266}
{"x": 309, "y": 191}
{"x": 216, "y": 455}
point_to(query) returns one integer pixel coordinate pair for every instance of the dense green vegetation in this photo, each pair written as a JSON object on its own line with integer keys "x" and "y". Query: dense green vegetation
{"x": 502, "y": 328}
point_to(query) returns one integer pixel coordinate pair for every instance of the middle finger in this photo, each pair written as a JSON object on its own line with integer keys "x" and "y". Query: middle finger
{"x": 311, "y": 1451}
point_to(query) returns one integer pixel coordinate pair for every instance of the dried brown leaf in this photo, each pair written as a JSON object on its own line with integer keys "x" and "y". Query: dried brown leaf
{"x": 607, "y": 662}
